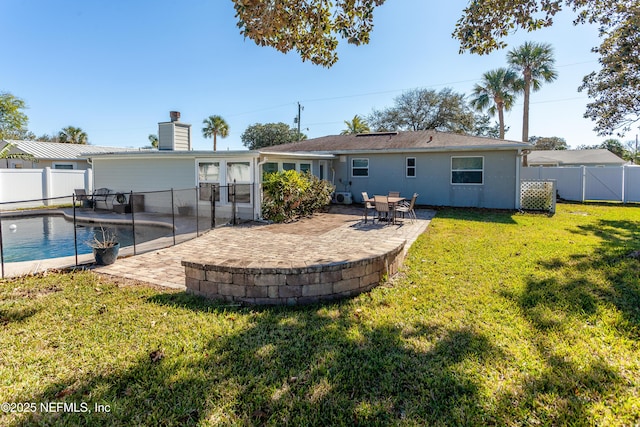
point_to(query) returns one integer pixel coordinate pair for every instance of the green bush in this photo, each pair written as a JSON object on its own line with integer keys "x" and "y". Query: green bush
{"x": 289, "y": 195}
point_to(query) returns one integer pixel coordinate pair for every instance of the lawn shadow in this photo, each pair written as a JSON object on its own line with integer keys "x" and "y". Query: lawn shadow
{"x": 313, "y": 365}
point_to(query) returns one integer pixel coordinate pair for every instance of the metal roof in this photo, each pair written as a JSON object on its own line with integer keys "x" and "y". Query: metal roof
{"x": 60, "y": 151}
{"x": 428, "y": 140}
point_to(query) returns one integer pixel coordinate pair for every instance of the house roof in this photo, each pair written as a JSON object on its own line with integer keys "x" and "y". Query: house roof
{"x": 60, "y": 151}
{"x": 574, "y": 157}
{"x": 428, "y": 140}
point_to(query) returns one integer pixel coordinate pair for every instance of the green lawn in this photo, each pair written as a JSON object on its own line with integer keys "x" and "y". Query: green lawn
{"x": 496, "y": 319}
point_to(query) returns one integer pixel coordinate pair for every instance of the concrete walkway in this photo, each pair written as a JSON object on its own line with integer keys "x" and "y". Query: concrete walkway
{"x": 326, "y": 237}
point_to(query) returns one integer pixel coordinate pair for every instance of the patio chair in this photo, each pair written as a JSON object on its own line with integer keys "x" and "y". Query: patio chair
{"x": 382, "y": 207}
{"x": 100, "y": 195}
{"x": 409, "y": 208}
{"x": 82, "y": 197}
{"x": 394, "y": 194}
{"x": 367, "y": 205}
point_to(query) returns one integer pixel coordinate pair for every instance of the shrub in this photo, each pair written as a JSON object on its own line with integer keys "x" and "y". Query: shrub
{"x": 289, "y": 195}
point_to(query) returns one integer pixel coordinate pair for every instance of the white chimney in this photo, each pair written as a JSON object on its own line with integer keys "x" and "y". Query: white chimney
{"x": 174, "y": 135}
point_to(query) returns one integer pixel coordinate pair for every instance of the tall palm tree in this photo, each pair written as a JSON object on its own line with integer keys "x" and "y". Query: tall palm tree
{"x": 534, "y": 61}
{"x": 73, "y": 135}
{"x": 214, "y": 126}
{"x": 356, "y": 125}
{"x": 495, "y": 93}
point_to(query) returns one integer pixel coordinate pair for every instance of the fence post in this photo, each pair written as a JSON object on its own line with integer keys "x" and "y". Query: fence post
{"x": 46, "y": 185}
{"x": 75, "y": 230}
{"x": 584, "y": 183}
{"x": 133, "y": 221}
{"x": 213, "y": 205}
{"x": 1, "y": 249}
{"x": 173, "y": 218}
{"x": 197, "y": 214}
{"x": 233, "y": 203}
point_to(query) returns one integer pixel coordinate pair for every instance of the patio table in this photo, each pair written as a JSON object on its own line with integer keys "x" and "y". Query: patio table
{"x": 393, "y": 202}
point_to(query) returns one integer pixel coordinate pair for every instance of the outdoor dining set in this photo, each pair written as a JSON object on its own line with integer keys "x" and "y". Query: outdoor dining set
{"x": 387, "y": 207}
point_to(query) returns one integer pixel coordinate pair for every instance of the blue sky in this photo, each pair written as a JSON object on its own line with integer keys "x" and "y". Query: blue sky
{"x": 117, "y": 68}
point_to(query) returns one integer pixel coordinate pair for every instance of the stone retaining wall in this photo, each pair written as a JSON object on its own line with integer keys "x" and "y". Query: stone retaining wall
{"x": 279, "y": 286}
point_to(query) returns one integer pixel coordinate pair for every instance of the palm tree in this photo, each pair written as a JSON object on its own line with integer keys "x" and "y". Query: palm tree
{"x": 496, "y": 93}
{"x": 214, "y": 126}
{"x": 534, "y": 61}
{"x": 356, "y": 125}
{"x": 153, "y": 139}
{"x": 73, "y": 135}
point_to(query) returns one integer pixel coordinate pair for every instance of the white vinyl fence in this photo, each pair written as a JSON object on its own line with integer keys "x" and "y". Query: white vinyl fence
{"x": 38, "y": 184}
{"x": 615, "y": 183}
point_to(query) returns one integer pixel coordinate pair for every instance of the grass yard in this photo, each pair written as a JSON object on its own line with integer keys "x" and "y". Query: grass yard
{"x": 497, "y": 319}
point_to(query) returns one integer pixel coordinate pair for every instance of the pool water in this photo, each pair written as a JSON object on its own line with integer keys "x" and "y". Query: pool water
{"x": 42, "y": 237}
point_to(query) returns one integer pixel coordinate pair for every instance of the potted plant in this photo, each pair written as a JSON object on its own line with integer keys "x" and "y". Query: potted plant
{"x": 105, "y": 247}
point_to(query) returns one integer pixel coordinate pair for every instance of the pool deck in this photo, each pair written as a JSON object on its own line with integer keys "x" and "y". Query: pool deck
{"x": 331, "y": 237}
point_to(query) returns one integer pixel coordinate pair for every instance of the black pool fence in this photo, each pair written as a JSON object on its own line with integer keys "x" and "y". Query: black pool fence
{"x": 146, "y": 221}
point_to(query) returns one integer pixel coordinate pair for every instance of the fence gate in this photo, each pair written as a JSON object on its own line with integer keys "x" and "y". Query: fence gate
{"x": 538, "y": 195}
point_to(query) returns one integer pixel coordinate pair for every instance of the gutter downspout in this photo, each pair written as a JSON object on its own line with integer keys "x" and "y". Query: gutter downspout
{"x": 518, "y": 182}
{"x": 257, "y": 211}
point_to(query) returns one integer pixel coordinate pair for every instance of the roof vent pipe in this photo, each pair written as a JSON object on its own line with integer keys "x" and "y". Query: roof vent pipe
{"x": 175, "y": 116}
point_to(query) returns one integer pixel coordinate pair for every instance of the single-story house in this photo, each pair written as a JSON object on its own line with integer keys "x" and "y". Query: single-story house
{"x": 54, "y": 155}
{"x": 445, "y": 169}
{"x": 595, "y": 157}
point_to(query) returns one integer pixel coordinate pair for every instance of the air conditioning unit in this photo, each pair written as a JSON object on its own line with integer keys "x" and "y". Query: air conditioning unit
{"x": 344, "y": 198}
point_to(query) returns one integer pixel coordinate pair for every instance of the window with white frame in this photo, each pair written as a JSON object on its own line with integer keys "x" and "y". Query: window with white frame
{"x": 239, "y": 173}
{"x": 208, "y": 178}
{"x": 411, "y": 167}
{"x": 288, "y": 166}
{"x": 305, "y": 167}
{"x": 359, "y": 167}
{"x": 467, "y": 170}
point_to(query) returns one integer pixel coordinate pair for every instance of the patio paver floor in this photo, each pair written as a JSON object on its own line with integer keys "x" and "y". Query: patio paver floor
{"x": 327, "y": 237}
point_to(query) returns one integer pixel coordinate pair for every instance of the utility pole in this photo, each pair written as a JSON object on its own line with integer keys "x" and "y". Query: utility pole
{"x": 297, "y": 119}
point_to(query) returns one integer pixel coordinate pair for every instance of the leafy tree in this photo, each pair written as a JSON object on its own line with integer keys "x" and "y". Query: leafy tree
{"x": 613, "y": 145}
{"x": 310, "y": 27}
{"x": 13, "y": 121}
{"x": 261, "y": 135}
{"x": 47, "y": 138}
{"x": 484, "y": 127}
{"x": 614, "y": 88}
{"x": 214, "y": 126}
{"x": 422, "y": 109}
{"x": 355, "y": 125}
{"x": 616, "y": 147}
{"x": 548, "y": 143}
{"x": 153, "y": 139}
{"x": 73, "y": 135}
{"x": 496, "y": 94}
{"x": 535, "y": 63}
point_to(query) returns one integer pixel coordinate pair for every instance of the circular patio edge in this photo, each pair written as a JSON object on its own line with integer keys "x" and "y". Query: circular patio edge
{"x": 291, "y": 286}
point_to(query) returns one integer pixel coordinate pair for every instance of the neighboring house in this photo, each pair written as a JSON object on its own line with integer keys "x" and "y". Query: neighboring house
{"x": 54, "y": 155}
{"x": 445, "y": 169}
{"x": 596, "y": 157}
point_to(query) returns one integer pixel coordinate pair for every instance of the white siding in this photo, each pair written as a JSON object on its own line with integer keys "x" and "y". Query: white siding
{"x": 181, "y": 137}
{"x": 125, "y": 175}
{"x": 165, "y": 136}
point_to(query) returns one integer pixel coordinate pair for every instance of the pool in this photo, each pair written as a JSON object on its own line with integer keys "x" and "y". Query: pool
{"x": 42, "y": 237}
